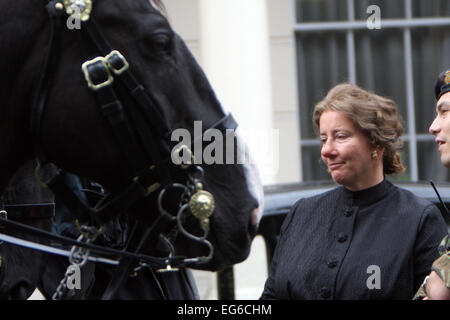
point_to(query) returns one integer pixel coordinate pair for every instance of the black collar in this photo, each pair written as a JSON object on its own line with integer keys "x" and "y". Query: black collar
{"x": 366, "y": 197}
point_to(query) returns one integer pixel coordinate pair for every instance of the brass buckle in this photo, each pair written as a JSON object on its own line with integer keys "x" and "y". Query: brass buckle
{"x": 87, "y": 76}
{"x": 122, "y": 59}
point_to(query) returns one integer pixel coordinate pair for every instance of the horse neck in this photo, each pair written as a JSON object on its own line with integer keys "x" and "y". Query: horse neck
{"x": 15, "y": 146}
{"x": 22, "y": 43}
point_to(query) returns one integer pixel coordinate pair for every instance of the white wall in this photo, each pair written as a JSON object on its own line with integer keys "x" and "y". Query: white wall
{"x": 246, "y": 48}
{"x": 228, "y": 39}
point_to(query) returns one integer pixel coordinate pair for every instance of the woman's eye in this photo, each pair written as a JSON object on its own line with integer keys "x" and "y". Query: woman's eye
{"x": 343, "y": 135}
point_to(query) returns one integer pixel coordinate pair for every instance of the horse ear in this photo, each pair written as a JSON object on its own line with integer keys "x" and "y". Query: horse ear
{"x": 158, "y": 5}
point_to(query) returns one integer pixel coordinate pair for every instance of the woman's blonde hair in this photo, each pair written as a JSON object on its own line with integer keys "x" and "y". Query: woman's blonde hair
{"x": 375, "y": 115}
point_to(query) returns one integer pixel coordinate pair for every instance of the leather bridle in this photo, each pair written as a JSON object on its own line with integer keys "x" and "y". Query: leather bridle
{"x": 144, "y": 155}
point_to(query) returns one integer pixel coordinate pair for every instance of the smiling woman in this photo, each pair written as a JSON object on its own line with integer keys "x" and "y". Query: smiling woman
{"x": 348, "y": 153}
{"x": 377, "y": 117}
{"x": 366, "y": 239}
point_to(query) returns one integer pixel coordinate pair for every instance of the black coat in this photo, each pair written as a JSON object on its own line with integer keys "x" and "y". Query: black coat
{"x": 377, "y": 243}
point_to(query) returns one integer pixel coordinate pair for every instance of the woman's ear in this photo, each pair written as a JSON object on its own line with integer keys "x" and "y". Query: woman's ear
{"x": 377, "y": 152}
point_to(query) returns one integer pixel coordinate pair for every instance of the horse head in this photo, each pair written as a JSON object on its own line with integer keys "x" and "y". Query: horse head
{"x": 72, "y": 124}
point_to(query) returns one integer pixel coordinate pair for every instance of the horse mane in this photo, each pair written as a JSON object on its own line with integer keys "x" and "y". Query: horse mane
{"x": 159, "y": 5}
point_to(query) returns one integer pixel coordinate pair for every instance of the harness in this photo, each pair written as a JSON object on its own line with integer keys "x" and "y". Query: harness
{"x": 136, "y": 129}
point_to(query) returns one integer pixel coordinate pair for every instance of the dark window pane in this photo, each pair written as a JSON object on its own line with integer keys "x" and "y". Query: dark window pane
{"x": 322, "y": 63}
{"x": 313, "y": 166}
{"x": 380, "y": 64}
{"x": 429, "y": 161}
{"x": 430, "y": 8}
{"x": 431, "y": 48}
{"x": 321, "y": 10}
{"x": 392, "y": 9}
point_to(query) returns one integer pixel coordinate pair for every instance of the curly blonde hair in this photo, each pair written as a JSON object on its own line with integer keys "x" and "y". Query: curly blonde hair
{"x": 375, "y": 115}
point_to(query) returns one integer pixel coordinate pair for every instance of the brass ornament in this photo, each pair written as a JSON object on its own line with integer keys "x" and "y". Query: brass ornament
{"x": 201, "y": 204}
{"x": 81, "y": 7}
{"x": 447, "y": 77}
{"x": 59, "y": 6}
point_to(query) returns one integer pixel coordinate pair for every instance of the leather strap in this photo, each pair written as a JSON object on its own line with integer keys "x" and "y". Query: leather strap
{"x": 40, "y": 99}
{"x": 137, "y": 240}
{"x": 176, "y": 261}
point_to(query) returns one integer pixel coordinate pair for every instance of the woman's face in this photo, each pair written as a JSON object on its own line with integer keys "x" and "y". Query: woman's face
{"x": 347, "y": 152}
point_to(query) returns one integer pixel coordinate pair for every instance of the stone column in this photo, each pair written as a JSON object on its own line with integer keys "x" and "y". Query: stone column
{"x": 234, "y": 53}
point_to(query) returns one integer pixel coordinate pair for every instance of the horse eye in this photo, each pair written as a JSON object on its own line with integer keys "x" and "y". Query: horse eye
{"x": 160, "y": 43}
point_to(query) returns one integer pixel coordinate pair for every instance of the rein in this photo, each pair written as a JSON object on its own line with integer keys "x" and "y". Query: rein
{"x": 151, "y": 171}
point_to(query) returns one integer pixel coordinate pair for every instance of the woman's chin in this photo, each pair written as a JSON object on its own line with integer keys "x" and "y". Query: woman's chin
{"x": 338, "y": 178}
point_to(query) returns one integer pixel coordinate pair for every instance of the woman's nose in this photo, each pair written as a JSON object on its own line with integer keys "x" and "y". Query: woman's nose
{"x": 328, "y": 149}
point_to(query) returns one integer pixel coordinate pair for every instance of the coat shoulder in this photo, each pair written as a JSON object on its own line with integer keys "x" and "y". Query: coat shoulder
{"x": 408, "y": 198}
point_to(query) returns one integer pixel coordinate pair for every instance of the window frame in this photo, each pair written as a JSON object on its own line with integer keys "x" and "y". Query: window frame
{"x": 349, "y": 27}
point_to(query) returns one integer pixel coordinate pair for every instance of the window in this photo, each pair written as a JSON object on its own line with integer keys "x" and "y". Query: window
{"x": 401, "y": 60}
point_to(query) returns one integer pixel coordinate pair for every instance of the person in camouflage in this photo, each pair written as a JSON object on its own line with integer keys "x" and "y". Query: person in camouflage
{"x": 442, "y": 269}
{"x": 436, "y": 286}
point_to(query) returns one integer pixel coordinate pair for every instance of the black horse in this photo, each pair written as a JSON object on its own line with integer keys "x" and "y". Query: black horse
{"x": 41, "y": 83}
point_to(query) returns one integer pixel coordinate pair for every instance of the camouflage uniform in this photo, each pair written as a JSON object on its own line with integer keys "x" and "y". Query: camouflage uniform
{"x": 441, "y": 266}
